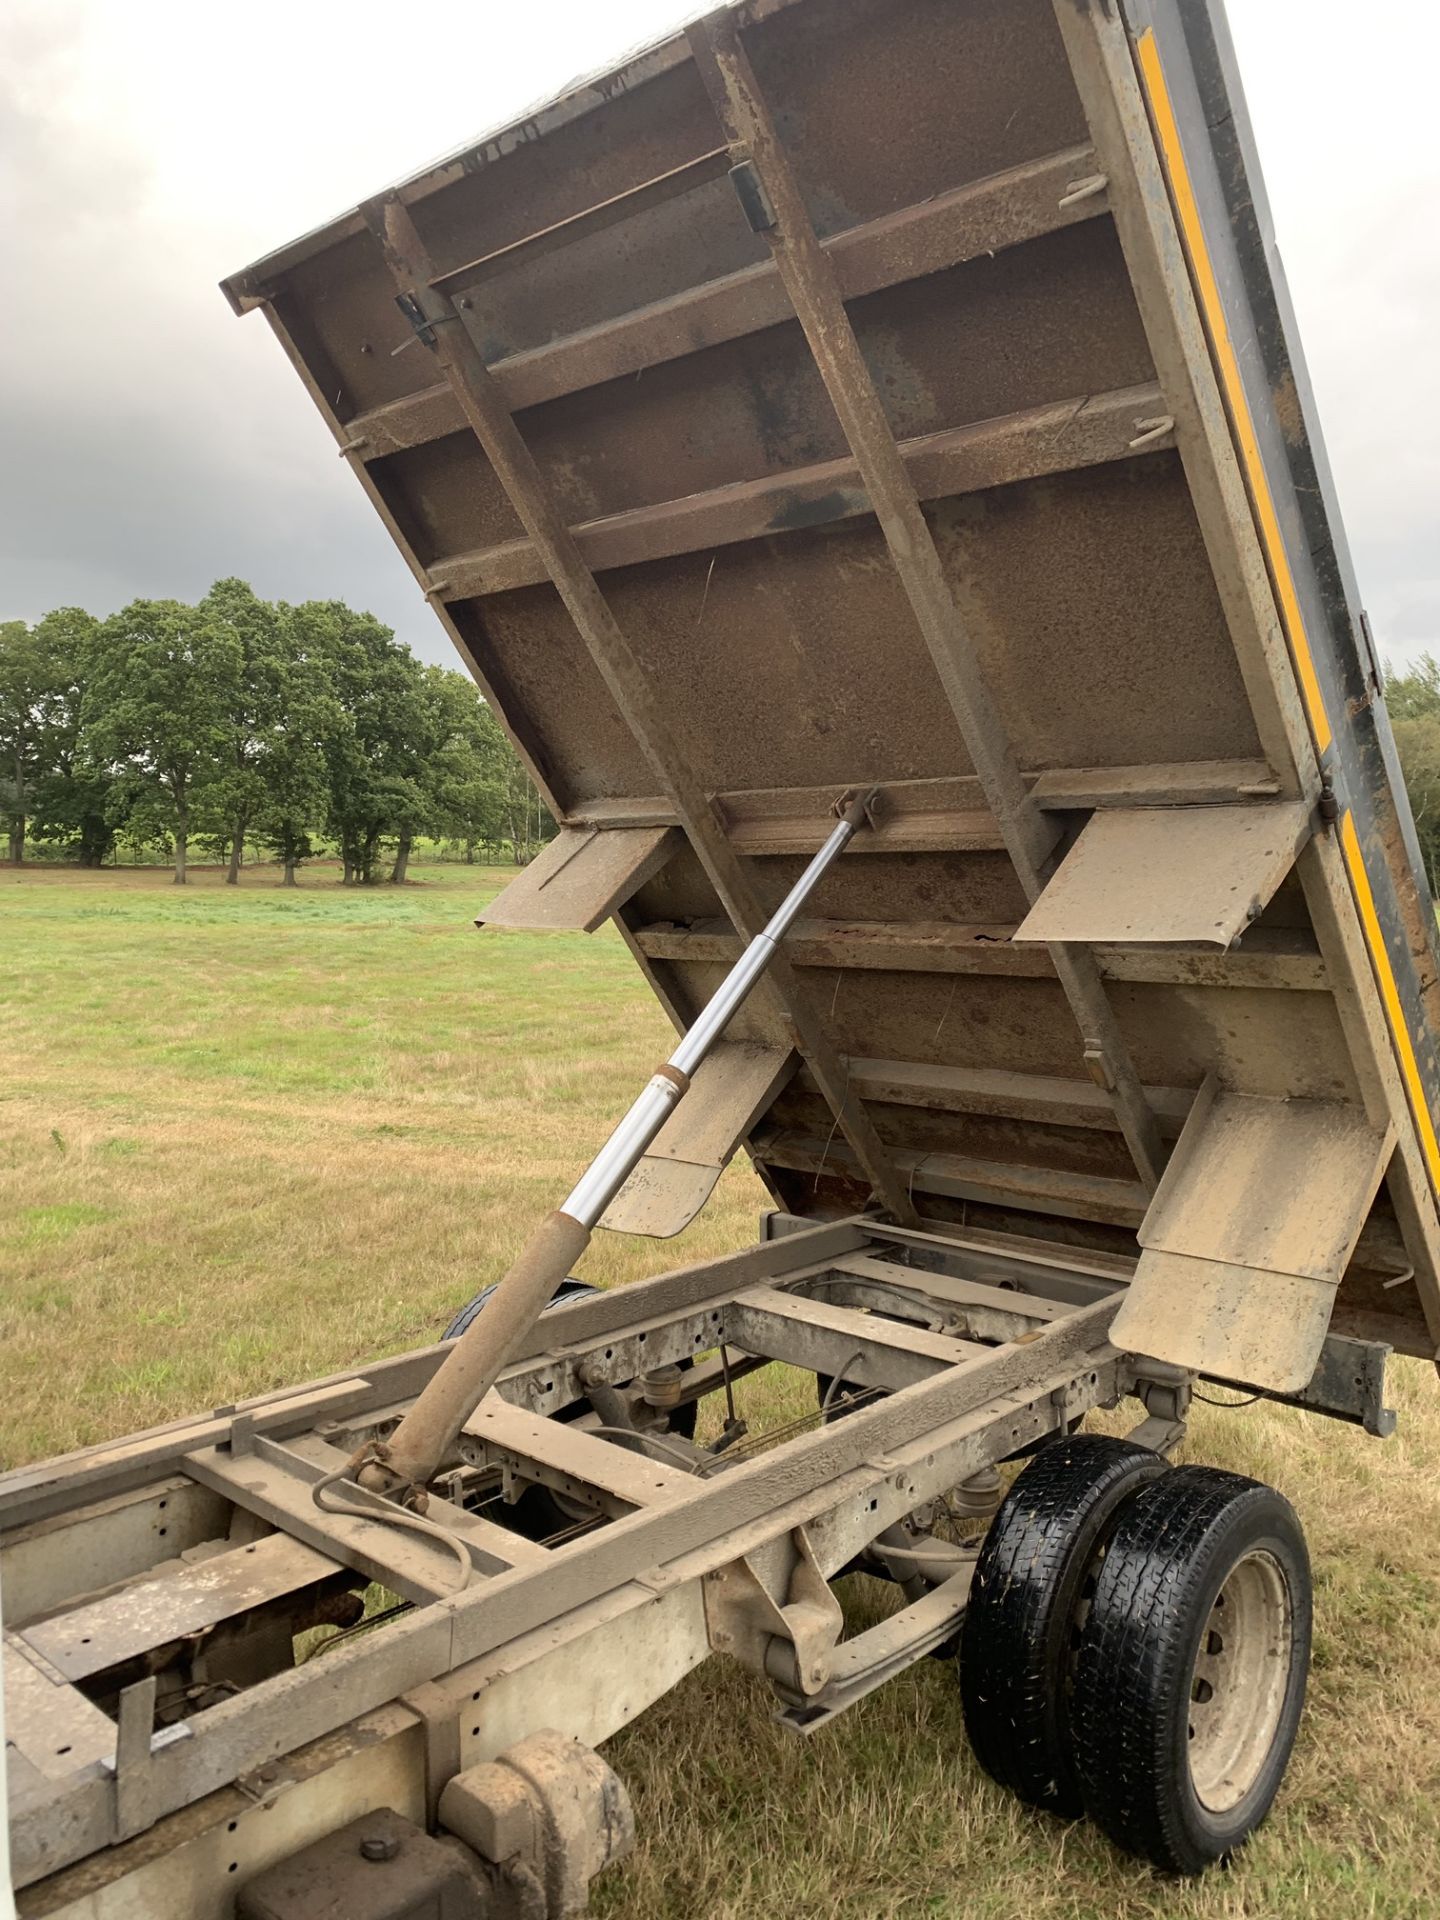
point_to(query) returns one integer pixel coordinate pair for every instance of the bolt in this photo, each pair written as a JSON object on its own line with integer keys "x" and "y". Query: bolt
{"x": 379, "y": 1846}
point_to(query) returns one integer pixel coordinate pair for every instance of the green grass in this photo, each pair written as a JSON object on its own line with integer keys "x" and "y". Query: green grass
{"x": 252, "y": 1134}
{"x": 249, "y": 1136}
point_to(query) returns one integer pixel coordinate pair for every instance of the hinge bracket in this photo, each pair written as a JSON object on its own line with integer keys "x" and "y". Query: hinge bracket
{"x": 754, "y": 200}
{"x": 416, "y": 315}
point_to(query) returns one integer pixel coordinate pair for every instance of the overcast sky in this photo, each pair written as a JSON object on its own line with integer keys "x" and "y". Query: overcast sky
{"x": 152, "y": 442}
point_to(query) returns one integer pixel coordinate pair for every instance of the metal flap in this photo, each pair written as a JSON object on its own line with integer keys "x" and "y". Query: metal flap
{"x": 677, "y": 1176}
{"x": 1248, "y": 1235}
{"x": 1160, "y": 875}
{"x": 1229, "y": 1321}
{"x": 583, "y": 876}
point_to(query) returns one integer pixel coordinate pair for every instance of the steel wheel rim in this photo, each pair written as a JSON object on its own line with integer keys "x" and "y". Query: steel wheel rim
{"x": 1239, "y": 1682}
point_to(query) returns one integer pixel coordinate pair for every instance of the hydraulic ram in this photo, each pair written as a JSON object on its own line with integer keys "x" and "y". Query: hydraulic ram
{"x": 426, "y": 1435}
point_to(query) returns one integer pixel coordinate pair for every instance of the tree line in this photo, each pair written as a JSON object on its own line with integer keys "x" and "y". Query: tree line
{"x": 300, "y": 729}
{"x": 1412, "y": 699}
{"x": 240, "y": 721}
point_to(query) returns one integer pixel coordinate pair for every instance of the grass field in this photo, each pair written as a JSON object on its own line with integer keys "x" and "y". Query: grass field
{"x": 252, "y": 1135}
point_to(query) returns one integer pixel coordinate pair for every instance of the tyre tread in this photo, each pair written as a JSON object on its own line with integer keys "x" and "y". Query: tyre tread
{"x": 1137, "y": 1650}
{"x": 1014, "y": 1702}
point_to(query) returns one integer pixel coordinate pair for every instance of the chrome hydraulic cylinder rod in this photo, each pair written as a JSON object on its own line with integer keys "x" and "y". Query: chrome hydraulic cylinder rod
{"x": 427, "y": 1434}
{"x": 623, "y": 1151}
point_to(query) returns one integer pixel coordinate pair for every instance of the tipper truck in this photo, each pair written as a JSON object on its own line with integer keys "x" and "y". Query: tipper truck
{"x": 861, "y": 449}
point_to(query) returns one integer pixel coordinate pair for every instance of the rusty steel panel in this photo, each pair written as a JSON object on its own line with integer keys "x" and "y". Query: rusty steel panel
{"x": 899, "y": 394}
{"x": 678, "y": 1174}
{"x": 1163, "y": 877}
{"x": 581, "y": 879}
{"x": 1249, "y": 1234}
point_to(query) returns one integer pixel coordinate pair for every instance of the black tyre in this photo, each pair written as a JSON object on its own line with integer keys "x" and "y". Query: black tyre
{"x": 567, "y": 1290}
{"x": 1191, "y": 1670}
{"x": 1018, "y": 1640}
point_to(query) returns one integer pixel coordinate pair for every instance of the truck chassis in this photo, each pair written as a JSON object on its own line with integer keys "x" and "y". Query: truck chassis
{"x": 155, "y": 1588}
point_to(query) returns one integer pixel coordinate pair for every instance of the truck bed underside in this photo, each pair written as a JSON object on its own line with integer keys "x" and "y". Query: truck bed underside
{"x": 855, "y": 394}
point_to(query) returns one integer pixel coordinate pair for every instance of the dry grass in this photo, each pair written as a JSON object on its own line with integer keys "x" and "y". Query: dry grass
{"x": 250, "y": 1137}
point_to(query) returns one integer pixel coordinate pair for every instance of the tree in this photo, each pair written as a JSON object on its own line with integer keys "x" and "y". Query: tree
{"x": 469, "y": 766}
{"x": 374, "y": 756}
{"x": 527, "y": 823}
{"x": 1418, "y": 741}
{"x": 237, "y": 717}
{"x": 250, "y": 698}
{"x": 157, "y": 707}
{"x": 1416, "y": 692}
{"x": 423, "y": 752}
{"x": 74, "y": 801}
{"x": 480, "y": 792}
{"x": 292, "y": 758}
{"x": 453, "y": 762}
{"x": 1412, "y": 699}
{"x": 27, "y": 674}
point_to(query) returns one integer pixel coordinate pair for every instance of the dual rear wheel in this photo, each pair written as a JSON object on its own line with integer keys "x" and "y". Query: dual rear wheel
{"x": 1136, "y": 1647}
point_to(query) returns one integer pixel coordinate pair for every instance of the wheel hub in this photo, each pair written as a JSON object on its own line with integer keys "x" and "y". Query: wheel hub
{"x": 1237, "y": 1689}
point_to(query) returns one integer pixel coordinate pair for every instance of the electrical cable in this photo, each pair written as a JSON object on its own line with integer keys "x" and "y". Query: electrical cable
{"x": 648, "y": 1439}
{"x": 389, "y": 1516}
{"x": 839, "y": 1381}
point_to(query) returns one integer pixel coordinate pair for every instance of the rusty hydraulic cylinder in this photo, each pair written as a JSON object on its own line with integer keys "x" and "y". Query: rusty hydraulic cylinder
{"x": 425, "y": 1437}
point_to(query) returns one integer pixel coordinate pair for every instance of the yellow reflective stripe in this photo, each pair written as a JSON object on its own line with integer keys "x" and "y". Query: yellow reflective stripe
{"x": 1390, "y": 994}
{"x": 1208, "y": 290}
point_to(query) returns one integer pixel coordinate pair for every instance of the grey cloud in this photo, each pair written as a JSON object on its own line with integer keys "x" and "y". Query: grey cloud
{"x": 153, "y": 441}
{"x": 155, "y": 444}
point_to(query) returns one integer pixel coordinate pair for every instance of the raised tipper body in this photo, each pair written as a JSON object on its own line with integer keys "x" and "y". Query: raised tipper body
{"x": 895, "y": 398}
